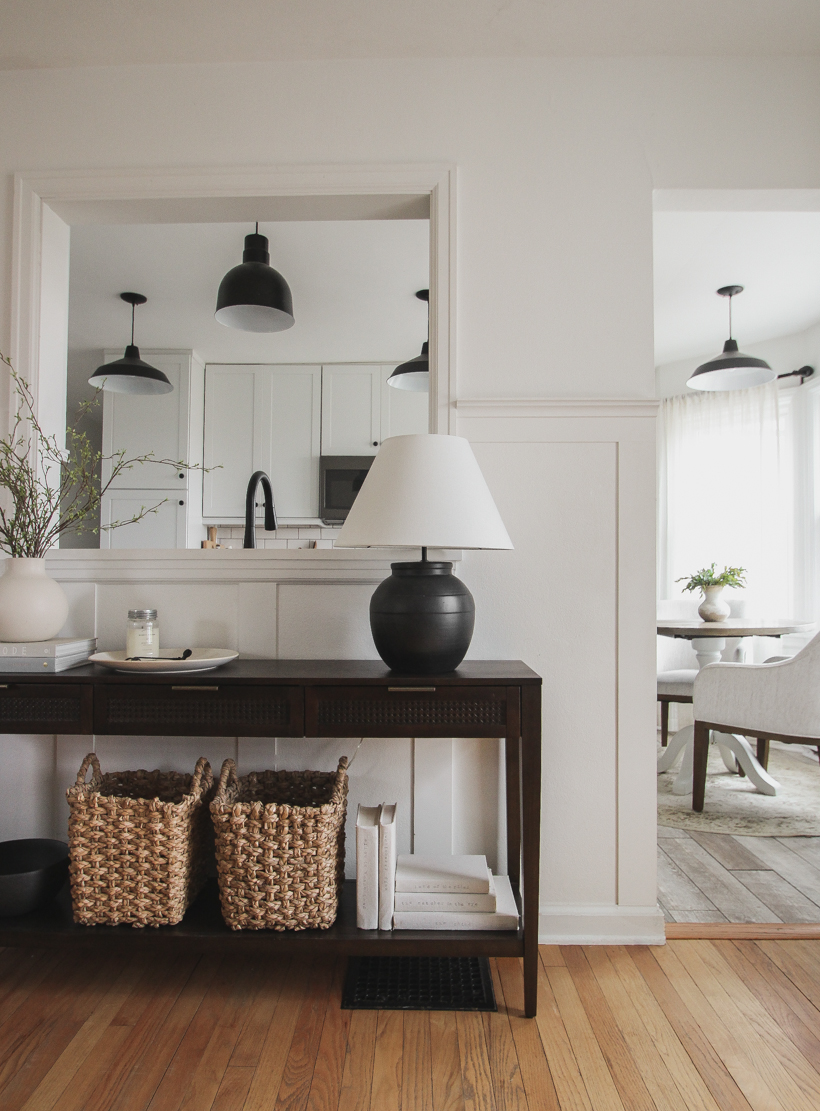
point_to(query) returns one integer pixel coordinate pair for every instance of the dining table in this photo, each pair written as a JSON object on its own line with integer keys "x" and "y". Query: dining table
{"x": 708, "y": 639}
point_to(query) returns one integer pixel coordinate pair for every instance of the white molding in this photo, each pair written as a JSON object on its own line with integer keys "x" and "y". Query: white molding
{"x": 557, "y": 407}
{"x": 601, "y": 925}
{"x": 33, "y": 189}
{"x": 229, "y": 565}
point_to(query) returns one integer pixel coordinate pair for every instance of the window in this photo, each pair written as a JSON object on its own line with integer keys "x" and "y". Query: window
{"x": 737, "y": 488}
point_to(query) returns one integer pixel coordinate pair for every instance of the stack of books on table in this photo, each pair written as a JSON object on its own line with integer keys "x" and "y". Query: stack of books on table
{"x": 45, "y": 656}
{"x": 423, "y": 892}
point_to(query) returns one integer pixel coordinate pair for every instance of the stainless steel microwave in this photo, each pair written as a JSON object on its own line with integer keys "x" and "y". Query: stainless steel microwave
{"x": 341, "y": 478}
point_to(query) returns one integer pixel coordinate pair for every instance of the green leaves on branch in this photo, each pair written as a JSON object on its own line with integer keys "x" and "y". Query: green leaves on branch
{"x": 47, "y": 492}
{"x": 729, "y": 576}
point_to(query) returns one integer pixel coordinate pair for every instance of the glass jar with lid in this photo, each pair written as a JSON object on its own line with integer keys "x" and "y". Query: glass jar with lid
{"x": 142, "y": 633}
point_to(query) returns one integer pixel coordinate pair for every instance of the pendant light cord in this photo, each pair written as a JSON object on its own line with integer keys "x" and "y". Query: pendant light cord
{"x": 133, "y": 307}
{"x": 730, "y": 315}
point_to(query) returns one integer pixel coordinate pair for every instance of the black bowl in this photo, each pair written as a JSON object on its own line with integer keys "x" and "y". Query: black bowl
{"x": 32, "y": 871}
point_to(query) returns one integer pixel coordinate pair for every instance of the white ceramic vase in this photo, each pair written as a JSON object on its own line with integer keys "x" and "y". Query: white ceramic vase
{"x": 32, "y": 605}
{"x": 713, "y": 607}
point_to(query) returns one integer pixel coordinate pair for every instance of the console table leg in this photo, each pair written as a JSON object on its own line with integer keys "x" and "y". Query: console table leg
{"x": 512, "y": 764}
{"x": 531, "y": 837}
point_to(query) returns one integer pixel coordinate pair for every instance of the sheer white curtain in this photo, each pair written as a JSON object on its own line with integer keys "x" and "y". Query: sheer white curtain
{"x": 726, "y": 493}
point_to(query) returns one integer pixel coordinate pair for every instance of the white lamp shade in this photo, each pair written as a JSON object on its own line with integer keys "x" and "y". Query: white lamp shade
{"x": 424, "y": 491}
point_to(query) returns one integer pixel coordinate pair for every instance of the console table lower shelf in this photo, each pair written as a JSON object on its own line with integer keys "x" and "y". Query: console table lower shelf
{"x": 203, "y": 930}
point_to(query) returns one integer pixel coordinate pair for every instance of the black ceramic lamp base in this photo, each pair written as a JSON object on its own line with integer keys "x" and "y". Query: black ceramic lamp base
{"x": 422, "y": 618}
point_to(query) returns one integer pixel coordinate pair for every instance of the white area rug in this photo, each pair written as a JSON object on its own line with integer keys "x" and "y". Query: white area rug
{"x": 734, "y": 806}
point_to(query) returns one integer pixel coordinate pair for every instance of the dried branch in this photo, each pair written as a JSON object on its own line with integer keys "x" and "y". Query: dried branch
{"x": 51, "y": 491}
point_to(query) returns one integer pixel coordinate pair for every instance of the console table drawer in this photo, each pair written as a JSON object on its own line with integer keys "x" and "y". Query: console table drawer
{"x": 406, "y": 709}
{"x": 199, "y": 710}
{"x": 42, "y": 708}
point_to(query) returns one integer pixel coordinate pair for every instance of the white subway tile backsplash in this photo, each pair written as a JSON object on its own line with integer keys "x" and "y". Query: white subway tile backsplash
{"x": 309, "y": 532}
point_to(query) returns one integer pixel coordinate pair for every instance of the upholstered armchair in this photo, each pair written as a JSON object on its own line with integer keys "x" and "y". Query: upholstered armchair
{"x": 772, "y": 701}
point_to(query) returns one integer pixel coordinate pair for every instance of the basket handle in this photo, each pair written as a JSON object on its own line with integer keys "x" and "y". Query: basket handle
{"x": 203, "y": 768}
{"x": 89, "y": 762}
{"x": 342, "y": 764}
{"x": 227, "y": 775}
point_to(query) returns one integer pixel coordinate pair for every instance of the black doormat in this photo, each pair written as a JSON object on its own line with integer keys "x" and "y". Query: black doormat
{"x": 418, "y": 984}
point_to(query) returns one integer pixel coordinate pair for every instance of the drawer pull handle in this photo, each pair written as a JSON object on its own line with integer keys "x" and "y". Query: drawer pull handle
{"x": 4, "y": 686}
{"x": 195, "y": 688}
{"x": 402, "y": 689}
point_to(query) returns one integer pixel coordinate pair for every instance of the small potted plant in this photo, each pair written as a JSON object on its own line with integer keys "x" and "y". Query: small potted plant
{"x": 711, "y": 584}
{"x": 46, "y": 492}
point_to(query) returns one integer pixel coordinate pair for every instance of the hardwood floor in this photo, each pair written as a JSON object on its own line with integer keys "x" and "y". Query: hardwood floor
{"x": 692, "y": 1026}
{"x": 715, "y": 877}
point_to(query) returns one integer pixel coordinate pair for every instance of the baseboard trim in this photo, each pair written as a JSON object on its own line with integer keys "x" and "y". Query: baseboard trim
{"x": 601, "y": 925}
{"x": 743, "y": 931}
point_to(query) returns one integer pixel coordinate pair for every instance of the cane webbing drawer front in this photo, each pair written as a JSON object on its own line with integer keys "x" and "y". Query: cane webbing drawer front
{"x": 203, "y": 709}
{"x": 41, "y": 708}
{"x": 403, "y": 709}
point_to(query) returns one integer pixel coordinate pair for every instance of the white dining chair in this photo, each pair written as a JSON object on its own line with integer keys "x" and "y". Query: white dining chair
{"x": 770, "y": 701}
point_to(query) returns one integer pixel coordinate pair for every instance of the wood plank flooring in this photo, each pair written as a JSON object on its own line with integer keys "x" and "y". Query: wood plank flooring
{"x": 715, "y": 877}
{"x": 692, "y": 1026}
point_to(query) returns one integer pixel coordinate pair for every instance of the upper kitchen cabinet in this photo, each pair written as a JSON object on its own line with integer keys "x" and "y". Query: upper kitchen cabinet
{"x": 280, "y": 419}
{"x": 351, "y": 410}
{"x": 168, "y": 424}
{"x": 403, "y": 412}
{"x": 359, "y": 409}
{"x": 268, "y": 418}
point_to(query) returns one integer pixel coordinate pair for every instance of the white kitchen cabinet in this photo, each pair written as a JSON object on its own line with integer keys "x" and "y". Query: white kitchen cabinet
{"x": 170, "y": 426}
{"x": 281, "y": 418}
{"x": 351, "y": 409}
{"x": 268, "y": 418}
{"x": 403, "y": 412}
{"x": 231, "y": 439}
{"x": 166, "y": 528}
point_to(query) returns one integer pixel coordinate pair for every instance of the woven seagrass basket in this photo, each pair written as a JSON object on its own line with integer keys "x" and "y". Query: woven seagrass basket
{"x": 280, "y": 847}
{"x": 138, "y": 844}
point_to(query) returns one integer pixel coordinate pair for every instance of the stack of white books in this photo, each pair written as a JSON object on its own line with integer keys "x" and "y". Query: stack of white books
{"x": 423, "y": 892}
{"x": 45, "y": 656}
{"x": 451, "y": 893}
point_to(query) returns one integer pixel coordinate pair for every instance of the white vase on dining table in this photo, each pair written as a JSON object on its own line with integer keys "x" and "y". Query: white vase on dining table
{"x": 713, "y": 607}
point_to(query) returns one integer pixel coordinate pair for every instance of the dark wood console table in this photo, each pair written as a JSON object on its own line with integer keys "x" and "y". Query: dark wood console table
{"x": 302, "y": 698}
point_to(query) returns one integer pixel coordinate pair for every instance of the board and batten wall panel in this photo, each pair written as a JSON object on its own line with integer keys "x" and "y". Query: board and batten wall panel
{"x": 574, "y": 482}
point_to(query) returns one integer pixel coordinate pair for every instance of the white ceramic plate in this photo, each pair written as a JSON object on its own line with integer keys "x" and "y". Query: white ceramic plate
{"x": 201, "y": 659}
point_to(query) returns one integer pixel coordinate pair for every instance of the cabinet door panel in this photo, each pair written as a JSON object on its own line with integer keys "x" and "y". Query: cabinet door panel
{"x": 143, "y": 423}
{"x": 231, "y": 439}
{"x": 403, "y": 411}
{"x": 350, "y": 410}
{"x": 290, "y": 434}
{"x": 163, "y": 529}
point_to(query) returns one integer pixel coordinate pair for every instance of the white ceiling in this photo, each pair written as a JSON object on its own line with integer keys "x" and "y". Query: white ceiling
{"x": 54, "y": 33}
{"x": 353, "y": 286}
{"x": 775, "y": 256}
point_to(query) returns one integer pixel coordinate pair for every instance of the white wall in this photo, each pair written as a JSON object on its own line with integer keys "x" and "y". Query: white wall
{"x": 557, "y": 160}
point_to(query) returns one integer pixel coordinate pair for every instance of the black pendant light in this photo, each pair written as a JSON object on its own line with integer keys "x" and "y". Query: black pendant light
{"x": 414, "y": 374}
{"x": 254, "y": 297}
{"x": 731, "y": 370}
{"x": 130, "y": 374}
